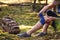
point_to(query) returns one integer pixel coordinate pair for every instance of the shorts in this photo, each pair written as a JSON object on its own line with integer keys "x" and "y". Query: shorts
{"x": 42, "y": 20}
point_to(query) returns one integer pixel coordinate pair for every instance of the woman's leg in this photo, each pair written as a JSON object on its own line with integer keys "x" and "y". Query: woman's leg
{"x": 44, "y": 30}
{"x": 45, "y": 27}
{"x": 36, "y": 27}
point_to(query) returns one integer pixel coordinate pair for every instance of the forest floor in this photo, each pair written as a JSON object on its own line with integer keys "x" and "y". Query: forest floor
{"x": 26, "y": 18}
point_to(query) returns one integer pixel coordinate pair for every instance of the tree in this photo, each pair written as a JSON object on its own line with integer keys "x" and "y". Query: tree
{"x": 33, "y": 6}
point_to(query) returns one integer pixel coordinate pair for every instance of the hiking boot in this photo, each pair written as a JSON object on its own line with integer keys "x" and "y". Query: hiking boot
{"x": 41, "y": 34}
{"x": 23, "y": 35}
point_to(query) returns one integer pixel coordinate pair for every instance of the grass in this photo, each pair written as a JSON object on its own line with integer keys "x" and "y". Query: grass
{"x": 26, "y": 18}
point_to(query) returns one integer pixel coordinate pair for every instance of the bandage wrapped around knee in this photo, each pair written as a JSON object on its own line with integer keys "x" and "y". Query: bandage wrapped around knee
{"x": 42, "y": 20}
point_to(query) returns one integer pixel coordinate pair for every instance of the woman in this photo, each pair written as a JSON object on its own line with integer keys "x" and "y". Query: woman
{"x": 44, "y": 21}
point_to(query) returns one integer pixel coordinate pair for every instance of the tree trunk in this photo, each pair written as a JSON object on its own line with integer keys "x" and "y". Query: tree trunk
{"x": 33, "y": 6}
{"x": 46, "y": 2}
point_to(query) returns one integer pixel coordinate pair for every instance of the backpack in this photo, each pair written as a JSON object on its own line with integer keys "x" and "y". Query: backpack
{"x": 9, "y": 25}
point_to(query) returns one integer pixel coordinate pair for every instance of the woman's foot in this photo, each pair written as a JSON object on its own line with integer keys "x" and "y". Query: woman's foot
{"x": 41, "y": 34}
{"x": 23, "y": 35}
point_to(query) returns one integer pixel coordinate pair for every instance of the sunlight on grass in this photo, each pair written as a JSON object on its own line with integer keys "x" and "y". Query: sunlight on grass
{"x": 24, "y": 27}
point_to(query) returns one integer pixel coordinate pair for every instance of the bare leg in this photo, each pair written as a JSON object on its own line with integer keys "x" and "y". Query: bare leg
{"x": 45, "y": 28}
{"x": 35, "y": 28}
{"x": 44, "y": 31}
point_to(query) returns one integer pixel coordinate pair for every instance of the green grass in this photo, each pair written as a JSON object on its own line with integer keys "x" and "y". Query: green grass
{"x": 25, "y": 16}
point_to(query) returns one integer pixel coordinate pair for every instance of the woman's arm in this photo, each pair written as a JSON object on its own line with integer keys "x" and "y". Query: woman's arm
{"x": 56, "y": 18}
{"x": 48, "y": 7}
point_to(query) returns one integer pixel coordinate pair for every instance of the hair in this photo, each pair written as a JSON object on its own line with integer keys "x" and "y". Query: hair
{"x": 51, "y": 13}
